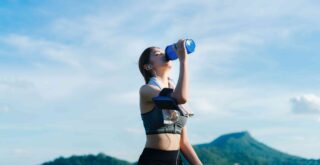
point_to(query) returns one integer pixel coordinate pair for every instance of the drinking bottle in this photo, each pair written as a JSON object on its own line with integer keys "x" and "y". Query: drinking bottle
{"x": 170, "y": 54}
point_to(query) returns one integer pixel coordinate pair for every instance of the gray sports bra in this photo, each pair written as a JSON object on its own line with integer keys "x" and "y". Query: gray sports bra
{"x": 153, "y": 120}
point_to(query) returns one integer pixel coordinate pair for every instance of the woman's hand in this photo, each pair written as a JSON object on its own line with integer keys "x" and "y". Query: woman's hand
{"x": 181, "y": 49}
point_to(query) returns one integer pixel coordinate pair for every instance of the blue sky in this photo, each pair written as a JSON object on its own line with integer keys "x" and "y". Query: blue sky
{"x": 69, "y": 76}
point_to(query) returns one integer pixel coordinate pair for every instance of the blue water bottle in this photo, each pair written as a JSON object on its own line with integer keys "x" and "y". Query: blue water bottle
{"x": 171, "y": 54}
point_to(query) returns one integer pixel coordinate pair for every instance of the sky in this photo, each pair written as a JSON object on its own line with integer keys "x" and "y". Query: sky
{"x": 69, "y": 77}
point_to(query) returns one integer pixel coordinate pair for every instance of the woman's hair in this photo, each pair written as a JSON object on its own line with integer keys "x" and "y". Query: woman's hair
{"x": 145, "y": 59}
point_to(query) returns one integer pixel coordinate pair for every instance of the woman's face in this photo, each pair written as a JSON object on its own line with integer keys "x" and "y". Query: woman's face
{"x": 158, "y": 60}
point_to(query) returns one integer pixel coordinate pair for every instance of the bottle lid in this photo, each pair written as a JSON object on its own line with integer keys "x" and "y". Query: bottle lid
{"x": 190, "y": 45}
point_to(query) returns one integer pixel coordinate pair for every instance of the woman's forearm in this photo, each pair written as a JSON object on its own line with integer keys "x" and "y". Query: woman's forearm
{"x": 190, "y": 154}
{"x": 182, "y": 87}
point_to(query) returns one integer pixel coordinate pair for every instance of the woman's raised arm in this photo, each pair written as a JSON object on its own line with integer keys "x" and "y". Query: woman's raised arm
{"x": 181, "y": 92}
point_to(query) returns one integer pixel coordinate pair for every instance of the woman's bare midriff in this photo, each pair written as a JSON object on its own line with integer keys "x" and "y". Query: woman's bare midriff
{"x": 163, "y": 141}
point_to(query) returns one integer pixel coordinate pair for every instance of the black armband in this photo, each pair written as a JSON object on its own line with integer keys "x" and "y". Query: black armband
{"x": 165, "y": 101}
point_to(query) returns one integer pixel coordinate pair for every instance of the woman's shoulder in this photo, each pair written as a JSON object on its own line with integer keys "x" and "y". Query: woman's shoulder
{"x": 145, "y": 88}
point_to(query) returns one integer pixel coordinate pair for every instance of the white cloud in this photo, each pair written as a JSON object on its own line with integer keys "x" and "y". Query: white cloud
{"x": 306, "y": 104}
{"x": 233, "y": 99}
{"x": 21, "y": 151}
{"x": 14, "y": 82}
{"x": 124, "y": 97}
{"x": 5, "y": 108}
{"x": 41, "y": 48}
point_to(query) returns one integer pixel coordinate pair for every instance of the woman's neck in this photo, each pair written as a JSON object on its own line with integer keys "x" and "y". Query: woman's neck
{"x": 163, "y": 77}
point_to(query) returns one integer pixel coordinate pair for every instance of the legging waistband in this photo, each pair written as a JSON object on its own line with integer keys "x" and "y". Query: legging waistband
{"x": 154, "y": 153}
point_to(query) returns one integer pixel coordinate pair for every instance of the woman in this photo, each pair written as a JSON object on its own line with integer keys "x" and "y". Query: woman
{"x": 164, "y": 141}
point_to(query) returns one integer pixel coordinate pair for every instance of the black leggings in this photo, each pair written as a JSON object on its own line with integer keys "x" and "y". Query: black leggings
{"x": 152, "y": 156}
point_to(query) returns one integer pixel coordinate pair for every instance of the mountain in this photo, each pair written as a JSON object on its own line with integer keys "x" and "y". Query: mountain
{"x": 241, "y": 148}
{"x": 229, "y": 149}
{"x": 99, "y": 159}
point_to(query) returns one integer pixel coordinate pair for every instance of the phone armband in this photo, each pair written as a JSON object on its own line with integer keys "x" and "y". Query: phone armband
{"x": 165, "y": 101}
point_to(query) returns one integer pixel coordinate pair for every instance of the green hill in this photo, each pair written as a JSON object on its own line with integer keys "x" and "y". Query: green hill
{"x": 228, "y": 149}
{"x": 99, "y": 159}
{"x": 241, "y": 148}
